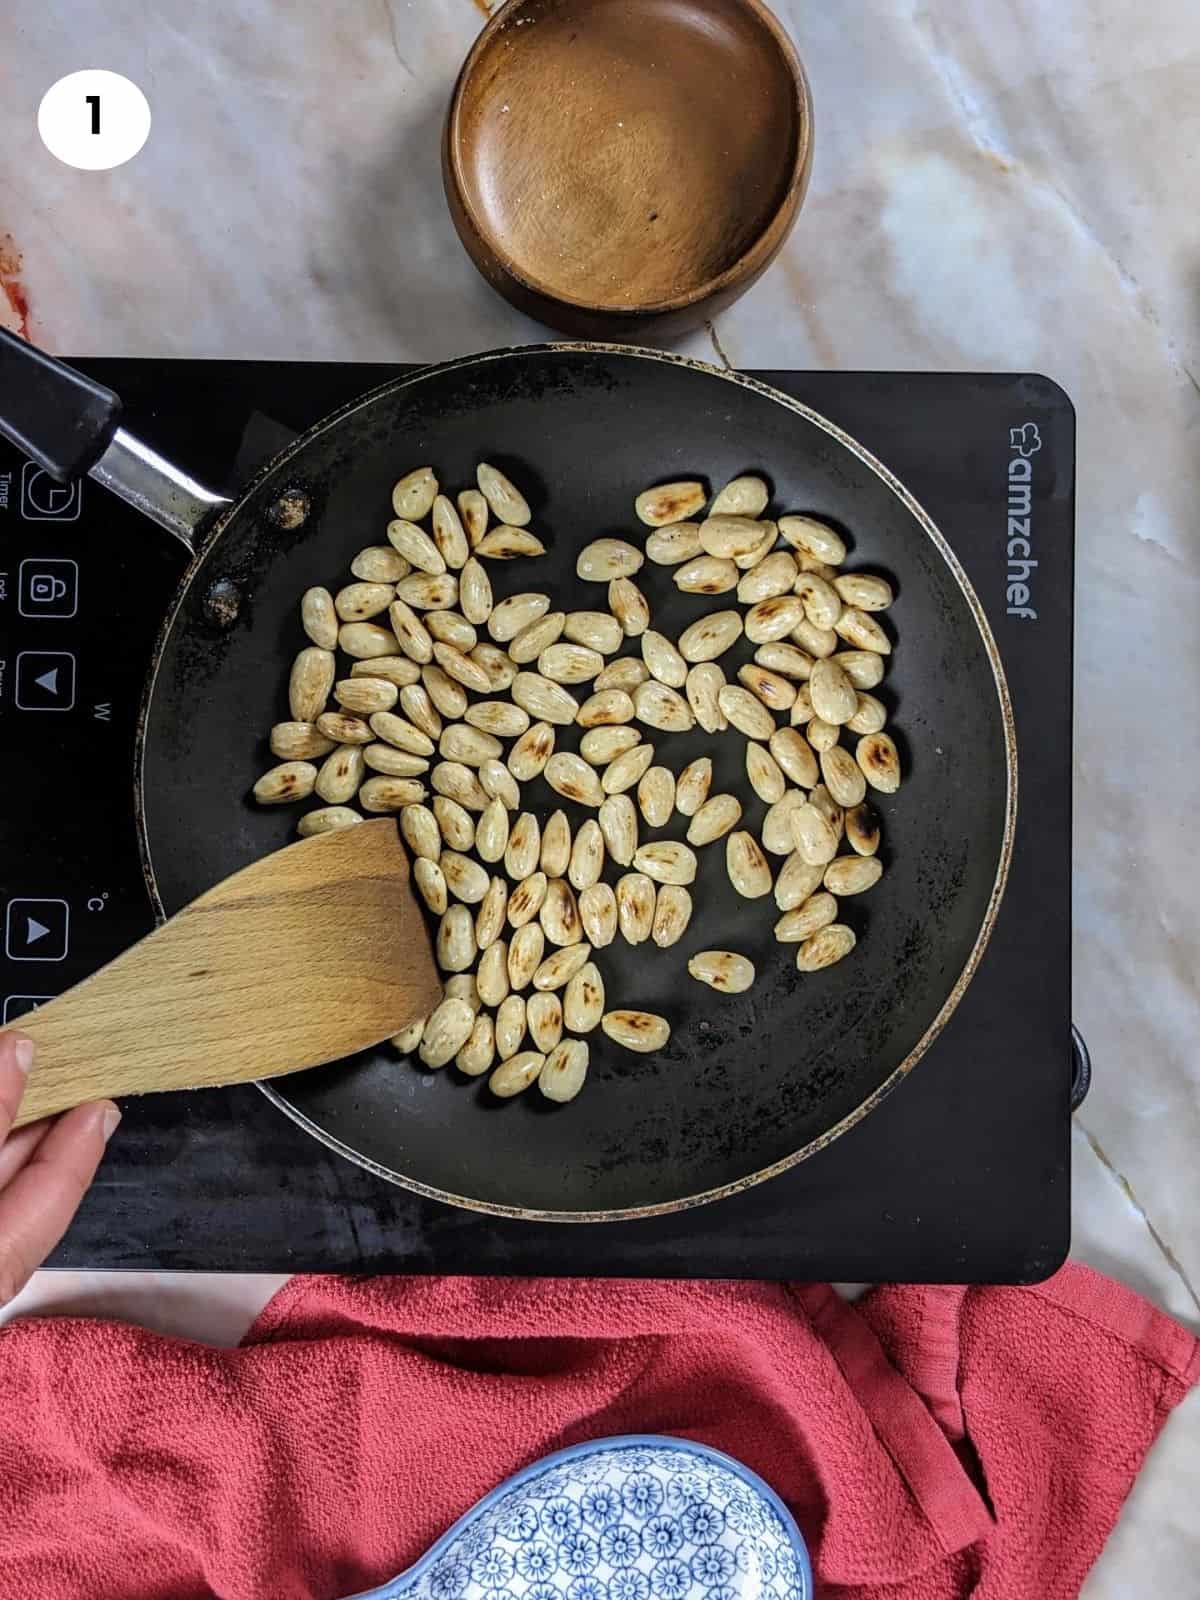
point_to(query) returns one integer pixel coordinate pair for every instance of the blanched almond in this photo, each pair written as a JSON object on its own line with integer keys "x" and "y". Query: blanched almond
{"x": 461, "y": 668}
{"x": 457, "y": 782}
{"x": 525, "y": 951}
{"x": 709, "y": 637}
{"x": 714, "y": 819}
{"x": 864, "y": 668}
{"x": 564, "y": 1071}
{"x": 775, "y": 692}
{"x": 492, "y": 976}
{"x": 517, "y": 612}
{"x": 303, "y": 741}
{"x": 788, "y": 660}
{"x": 502, "y": 495}
{"x": 393, "y": 763}
{"x": 829, "y": 809}
{"x": 864, "y": 590}
{"x": 543, "y": 699}
{"x": 598, "y": 913}
{"x": 569, "y": 775}
{"x": 662, "y": 658}
{"x": 510, "y": 1026}
{"x": 749, "y": 559}
{"x": 777, "y": 836}
{"x": 635, "y": 907}
{"x": 505, "y": 542}
{"x": 834, "y": 697}
{"x": 583, "y": 1003}
{"x": 656, "y": 795}
{"x": 340, "y": 774}
{"x": 544, "y": 1016}
{"x": 624, "y": 673}
{"x": 404, "y": 735}
{"x": 378, "y": 563}
{"x": 815, "y": 836}
{"x": 365, "y": 695}
{"x": 809, "y": 917}
{"x": 815, "y": 538}
{"x": 723, "y": 970}
{"x": 414, "y": 494}
{"x": 466, "y": 879}
{"x": 669, "y": 502}
{"x": 605, "y": 744}
{"x": 413, "y": 636}
{"x": 636, "y": 1030}
{"x": 862, "y": 830}
{"x": 726, "y": 538}
{"x": 560, "y": 966}
{"x": 451, "y": 627}
{"x": 796, "y": 881}
{"x": 746, "y": 712}
{"x": 396, "y": 669}
{"x": 447, "y": 1029}
{"x": 461, "y": 742}
{"x": 516, "y": 1074}
{"x": 764, "y": 773}
{"x": 407, "y": 1040}
{"x": 559, "y": 913}
{"x": 672, "y": 913}
{"x": 659, "y": 706}
{"x": 326, "y": 819}
{"x": 853, "y": 874}
{"x": 706, "y": 575}
{"x": 537, "y": 636}
{"x": 742, "y": 497}
{"x": 415, "y": 545}
{"x": 449, "y": 697}
{"x": 880, "y": 762}
{"x": 454, "y": 822}
{"x": 479, "y": 1053}
{"x": 421, "y": 833}
{"x": 605, "y": 559}
{"x": 498, "y": 665}
{"x": 587, "y": 855}
{"x": 462, "y": 987}
{"x": 569, "y": 663}
{"x": 596, "y": 630}
{"x": 524, "y": 847}
{"x": 666, "y": 861}
{"x": 627, "y": 769}
{"x": 826, "y": 947}
{"x": 821, "y": 735}
{"x": 491, "y": 835}
{"x": 309, "y": 684}
{"x": 619, "y": 826}
{"x": 473, "y": 509}
{"x": 704, "y": 685}
{"x": 871, "y": 716}
{"x": 556, "y": 845}
{"x": 676, "y": 542}
{"x": 367, "y": 639}
{"x": 528, "y": 757}
{"x": 773, "y": 619}
{"x": 456, "y": 943}
{"x": 694, "y": 783}
{"x": 629, "y": 606}
{"x": 449, "y": 535}
{"x": 608, "y": 707}
{"x": 498, "y": 783}
{"x": 821, "y": 601}
{"x": 493, "y": 908}
{"x": 475, "y": 592}
{"x": 843, "y": 776}
{"x": 749, "y": 870}
{"x": 359, "y": 602}
{"x": 319, "y": 618}
{"x": 795, "y": 755}
{"x": 774, "y": 575}
{"x": 498, "y": 717}
{"x": 295, "y": 780}
{"x": 861, "y": 630}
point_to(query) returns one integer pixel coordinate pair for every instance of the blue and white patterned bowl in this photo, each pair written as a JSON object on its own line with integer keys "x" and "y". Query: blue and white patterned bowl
{"x": 635, "y": 1518}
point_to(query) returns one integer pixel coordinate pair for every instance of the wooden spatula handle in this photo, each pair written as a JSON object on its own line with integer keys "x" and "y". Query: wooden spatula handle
{"x": 304, "y": 957}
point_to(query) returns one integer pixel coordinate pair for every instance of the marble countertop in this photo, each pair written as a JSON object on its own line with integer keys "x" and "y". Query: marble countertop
{"x": 994, "y": 187}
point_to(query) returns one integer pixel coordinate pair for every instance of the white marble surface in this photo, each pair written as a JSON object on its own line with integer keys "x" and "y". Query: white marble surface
{"x": 995, "y": 186}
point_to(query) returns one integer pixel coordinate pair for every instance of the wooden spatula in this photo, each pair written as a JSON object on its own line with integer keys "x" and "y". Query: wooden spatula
{"x": 306, "y": 956}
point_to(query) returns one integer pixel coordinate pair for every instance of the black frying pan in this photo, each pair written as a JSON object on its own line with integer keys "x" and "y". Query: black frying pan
{"x": 747, "y": 1085}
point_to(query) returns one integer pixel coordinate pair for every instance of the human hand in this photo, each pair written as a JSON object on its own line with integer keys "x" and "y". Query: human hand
{"x": 45, "y": 1168}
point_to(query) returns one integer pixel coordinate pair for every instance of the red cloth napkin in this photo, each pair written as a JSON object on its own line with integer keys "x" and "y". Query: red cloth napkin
{"x": 932, "y": 1442}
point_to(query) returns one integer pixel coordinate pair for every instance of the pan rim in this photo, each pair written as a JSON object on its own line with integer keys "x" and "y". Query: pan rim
{"x": 943, "y": 548}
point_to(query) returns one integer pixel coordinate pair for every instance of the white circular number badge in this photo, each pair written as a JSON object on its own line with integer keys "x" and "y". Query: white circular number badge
{"x": 94, "y": 119}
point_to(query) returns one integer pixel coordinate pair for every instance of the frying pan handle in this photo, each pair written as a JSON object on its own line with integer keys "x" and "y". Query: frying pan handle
{"x": 70, "y": 426}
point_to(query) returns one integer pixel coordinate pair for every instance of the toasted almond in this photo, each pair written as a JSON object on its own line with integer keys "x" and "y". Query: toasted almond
{"x": 853, "y": 874}
{"x": 670, "y": 502}
{"x": 710, "y": 636}
{"x": 796, "y": 881}
{"x": 605, "y": 744}
{"x": 742, "y": 497}
{"x": 501, "y": 670}
{"x": 809, "y": 917}
{"x": 625, "y": 673}
{"x": 843, "y": 776}
{"x": 462, "y": 986}
{"x": 656, "y": 795}
{"x": 861, "y": 630}
{"x": 516, "y": 1074}
{"x": 774, "y": 575}
{"x": 773, "y": 619}
{"x": 473, "y": 509}
{"x": 597, "y": 630}
{"x": 826, "y": 947}
{"x": 404, "y": 735}
{"x": 777, "y": 836}
{"x": 794, "y": 754}
{"x": 569, "y": 775}
{"x": 492, "y": 975}
{"x": 666, "y": 861}
{"x": 379, "y": 563}
{"x": 802, "y": 707}
{"x": 764, "y": 773}
{"x": 421, "y": 833}
{"x": 583, "y": 1003}
{"x": 491, "y": 834}
{"x": 466, "y": 879}
{"x": 506, "y": 543}
{"x": 544, "y": 1016}
{"x": 319, "y": 618}
{"x": 598, "y": 913}
{"x": 834, "y": 697}
{"x": 528, "y": 757}
{"x": 449, "y": 535}
{"x": 706, "y": 575}
{"x": 304, "y": 741}
{"x": 749, "y": 559}
{"x": 749, "y": 870}
{"x": 663, "y": 659}
{"x": 556, "y": 846}
{"x": 694, "y": 783}
{"x": 415, "y": 545}
{"x": 455, "y": 823}
{"x": 414, "y": 637}
{"x": 864, "y": 591}
{"x": 526, "y": 899}
{"x": 723, "y": 970}
{"x": 627, "y": 769}
{"x": 775, "y": 692}
{"x": 456, "y": 942}
{"x": 493, "y": 909}
{"x": 657, "y": 705}
{"x": 587, "y": 855}
{"x": 537, "y": 636}
{"x": 525, "y": 950}
{"x": 451, "y": 627}
{"x": 619, "y": 826}
{"x": 714, "y": 819}
{"x": 636, "y": 1030}
{"x": 560, "y": 966}
{"x": 499, "y": 717}
{"x": 359, "y": 602}
{"x": 746, "y": 712}
{"x": 414, "y": 494}
{"x": 502, "y": 495}
{"x": 310, "y": 682}
{"x": 517, "y": 612}
{"x": 510, "y": 1023}
{"x": 457, "y": 782}
{"x": 461, "y": 742}
{"x": 393, "y": 763}
{"x": 543, "y": 699}
{"x": 339, "y": 777}
{"x": 396, "y": 669}
{"x": 565, "y": 1070}
{"x": 475, "y": 591}
{"x": 821, "y": 735}
{"x": 407, "y": 1040}
{"x": 815, "y": 836}
{"x": 829, "y": 809}
{"x": 498, "y": 783}
{"x": 629, "y": 606}
{"x": 608, "y": 707}
{"x": 447, "y": 1029}
{"x": 367, "y": 639}
{"x": 814, "y": 538}
{"x": 461, "y": 668}
{"x": 726, "y": 538}
{"x": 673, "y": 543}
{"x": 880, "y": 762}
{"x": 605, "y": 559}
{"x": 788, "y": 660}
{"x": 365, "y": 695}
{"x": 862, "y": 830}
{"x": 295, "y": 780}
{"x": 449, "y": 697}
{"x": 820, "y": 642}
{"x": 479, "y": 1053}
{"x": 635, "y": 907}
{"x": 570, "y": 663}
{"x": 326, "y": 819}
{"x": 704, "y": 685}
{"x": 672, "y": 913}
{"x": 822, "y": 604}
{"x": 524, "y": 847}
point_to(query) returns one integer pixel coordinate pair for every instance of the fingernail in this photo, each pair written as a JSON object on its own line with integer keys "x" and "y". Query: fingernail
{"x": 111, "y": 1118}
{"x": 23, "y": 1052}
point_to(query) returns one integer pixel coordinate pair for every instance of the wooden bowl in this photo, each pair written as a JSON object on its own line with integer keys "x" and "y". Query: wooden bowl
{"x": 620, "y": 168}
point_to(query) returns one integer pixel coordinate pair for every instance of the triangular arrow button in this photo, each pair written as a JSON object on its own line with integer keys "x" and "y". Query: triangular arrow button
{"x": 48, "y": 681}
{"x": 34, "y": 930}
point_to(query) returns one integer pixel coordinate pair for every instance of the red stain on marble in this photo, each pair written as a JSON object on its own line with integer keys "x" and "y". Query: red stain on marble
{"x": 12, "y": 288}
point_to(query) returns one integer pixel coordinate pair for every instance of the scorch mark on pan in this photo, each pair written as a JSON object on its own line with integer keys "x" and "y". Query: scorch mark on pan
{"x": 14, "y": 299}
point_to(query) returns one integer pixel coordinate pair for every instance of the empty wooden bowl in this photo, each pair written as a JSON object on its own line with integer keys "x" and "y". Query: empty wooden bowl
{"x": 619, "y": 168}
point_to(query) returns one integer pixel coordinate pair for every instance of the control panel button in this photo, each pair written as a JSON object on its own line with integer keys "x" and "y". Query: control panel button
{"x": 44, "y": 499}
{"x": 48, "y": 587}
{"x": 36, "y": 930}
{"x": 20, "y": 1005}
{"x": 45, "y": 680}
